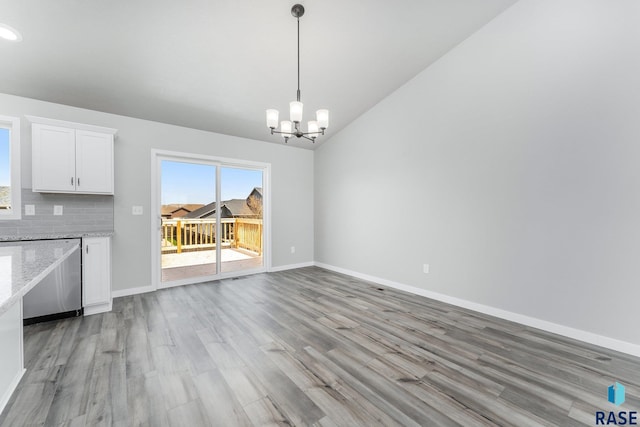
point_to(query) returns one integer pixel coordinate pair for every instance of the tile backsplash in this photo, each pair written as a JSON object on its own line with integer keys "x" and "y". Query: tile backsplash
{"x": 81, "y": 213}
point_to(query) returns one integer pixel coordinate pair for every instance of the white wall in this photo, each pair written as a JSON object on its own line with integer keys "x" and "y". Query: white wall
{"x": 291, "y": 181}
{"x": 511, "y": 166}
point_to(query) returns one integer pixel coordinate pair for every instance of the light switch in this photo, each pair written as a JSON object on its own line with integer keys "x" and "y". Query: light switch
{"x": 29, "y": 209}
{"x": 57, "y": 209}
{"x": 137, "y": 210}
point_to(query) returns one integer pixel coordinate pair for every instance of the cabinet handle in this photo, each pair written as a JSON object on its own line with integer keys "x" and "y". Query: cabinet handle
{"x": 87, "y": 249}
{"x": 78, "y": 182}
{"x": 71, "y": 180}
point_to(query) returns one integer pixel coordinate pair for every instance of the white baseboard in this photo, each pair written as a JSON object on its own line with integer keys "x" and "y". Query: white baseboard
{"x": 132, "y": 291}
{"x": 98, "y": 308}
{"x": 291, "y": 266}
{"x": 12, "y": 387}
{"x": 580, "y": 335}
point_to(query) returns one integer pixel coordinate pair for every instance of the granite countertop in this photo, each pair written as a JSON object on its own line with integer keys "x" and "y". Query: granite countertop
{"x": 69, "y": 235}
{"x": 24, "y": 264}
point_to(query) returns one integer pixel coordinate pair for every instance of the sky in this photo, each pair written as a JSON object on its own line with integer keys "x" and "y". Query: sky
{"x": 4, "y": 157}
{"x": 184, "y": 183}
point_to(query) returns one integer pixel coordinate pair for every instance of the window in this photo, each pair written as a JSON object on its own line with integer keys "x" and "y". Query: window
{"x": 10, "y": 206}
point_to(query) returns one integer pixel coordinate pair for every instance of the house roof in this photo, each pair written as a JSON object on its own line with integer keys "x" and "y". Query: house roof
{"x": 203, "y": 212}
{"x": 172, "y": 208}
{"x": 256, "y": 190}
{"x": 236, "y": 207}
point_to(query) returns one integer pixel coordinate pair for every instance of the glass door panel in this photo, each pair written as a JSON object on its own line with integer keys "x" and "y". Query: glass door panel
{"x": 241, "y": 219}
{"x": 188, "y": 225}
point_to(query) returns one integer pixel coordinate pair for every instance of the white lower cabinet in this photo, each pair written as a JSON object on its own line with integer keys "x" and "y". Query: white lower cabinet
{"x": 11, "y": 359}
{"x": 96, "y": 275}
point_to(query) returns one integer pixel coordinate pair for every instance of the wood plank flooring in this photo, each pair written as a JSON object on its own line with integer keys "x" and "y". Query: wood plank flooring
{"x": 307, "y": 347}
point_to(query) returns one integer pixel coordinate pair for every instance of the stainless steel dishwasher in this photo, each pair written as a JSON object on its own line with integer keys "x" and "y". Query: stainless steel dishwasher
{"x": 59, "y": 294}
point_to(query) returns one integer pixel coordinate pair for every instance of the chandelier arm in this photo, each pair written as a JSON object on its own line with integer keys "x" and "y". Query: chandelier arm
{"x": 275, "y": 131}
{"x": 303, "y": 135}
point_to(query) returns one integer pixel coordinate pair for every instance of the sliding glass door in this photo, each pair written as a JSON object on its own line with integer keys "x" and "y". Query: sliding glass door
{"x": 241, "y": 219}
{"x": 211, "y": 219}
{"x": 188, "y": 197}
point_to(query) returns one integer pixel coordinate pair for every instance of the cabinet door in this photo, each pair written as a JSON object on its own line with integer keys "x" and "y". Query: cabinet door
{"x": 96, "y": 271}
{"x": 94, "y": 162}
{"x": 54, "y": 158}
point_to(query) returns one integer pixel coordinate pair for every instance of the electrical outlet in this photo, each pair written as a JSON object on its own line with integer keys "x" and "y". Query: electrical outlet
{"x": 425, "y": 268}
{"x": 293, "y": 249}
{"x": 29, "y": 209}
{"x": 137, "y": 210}
{"x": 57, "y": 209}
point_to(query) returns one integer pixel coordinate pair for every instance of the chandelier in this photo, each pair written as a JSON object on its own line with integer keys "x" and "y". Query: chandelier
{"x": 289, "y": 128}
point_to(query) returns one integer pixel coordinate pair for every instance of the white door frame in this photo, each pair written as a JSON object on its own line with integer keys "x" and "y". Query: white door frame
{"x": 157, "y": 156}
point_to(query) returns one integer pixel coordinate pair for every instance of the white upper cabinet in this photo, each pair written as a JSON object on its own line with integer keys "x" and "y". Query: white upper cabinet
{"x": 71, "y": 157}
{"x": 94, "y": 162}
{"x": 54, "y": 158}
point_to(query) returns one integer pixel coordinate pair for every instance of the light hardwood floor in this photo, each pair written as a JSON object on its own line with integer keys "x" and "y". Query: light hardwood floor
{"x": 307, "y": 347}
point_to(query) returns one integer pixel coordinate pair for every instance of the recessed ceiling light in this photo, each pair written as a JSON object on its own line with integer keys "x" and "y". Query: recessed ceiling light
{"x": 8, "y": 33}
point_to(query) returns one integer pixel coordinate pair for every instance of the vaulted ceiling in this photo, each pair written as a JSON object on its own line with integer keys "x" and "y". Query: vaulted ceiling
{"x": 217, "y": 65}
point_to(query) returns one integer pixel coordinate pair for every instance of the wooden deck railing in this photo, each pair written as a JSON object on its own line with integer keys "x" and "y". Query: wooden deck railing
{"x": 248, "y": 234}
{"x": 200, "y": 234}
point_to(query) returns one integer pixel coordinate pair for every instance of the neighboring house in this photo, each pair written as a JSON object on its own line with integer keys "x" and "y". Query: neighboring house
{"x": 251, "y": 207}
{"x": 254, "y": 201}
{"x": 257, "y": 193}
{"x": 178, "y": 211}
{"x": 5, "y": 197}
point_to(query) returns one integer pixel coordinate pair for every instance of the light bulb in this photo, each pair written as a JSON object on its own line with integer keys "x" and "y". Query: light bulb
{"x": 312, "y": 128}
{"x": 272, "y": 119}
{"x": 285, "y": 128}
{"x": 295, "y": 111}
{"x": 323, "y": 118}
